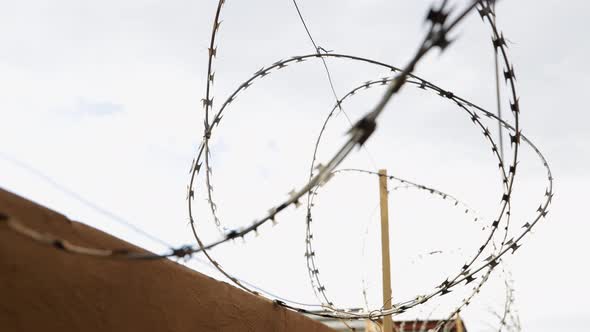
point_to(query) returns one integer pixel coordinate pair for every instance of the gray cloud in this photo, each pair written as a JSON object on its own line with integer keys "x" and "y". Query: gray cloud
{"x": 98, "y": 108}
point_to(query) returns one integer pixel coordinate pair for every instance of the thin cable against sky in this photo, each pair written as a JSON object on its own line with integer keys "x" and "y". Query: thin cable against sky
{"x": 317, "y": 50}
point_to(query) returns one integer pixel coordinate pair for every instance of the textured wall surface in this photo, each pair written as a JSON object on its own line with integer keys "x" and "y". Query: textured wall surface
{"x": 45, "y": 289}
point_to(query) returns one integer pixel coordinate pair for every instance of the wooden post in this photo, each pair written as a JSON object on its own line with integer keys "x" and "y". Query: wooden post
{"x": 387, "y": 297}
{"x": 458, "y": 324}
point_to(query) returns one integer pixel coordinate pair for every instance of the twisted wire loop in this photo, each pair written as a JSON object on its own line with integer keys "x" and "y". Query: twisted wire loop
{"x": 404, "y": 184}
{"x": 424, "y": 85}
{"x": 399, "y": 183}
{"x": 363, "y": 129}
{"x": 509, "y": 319}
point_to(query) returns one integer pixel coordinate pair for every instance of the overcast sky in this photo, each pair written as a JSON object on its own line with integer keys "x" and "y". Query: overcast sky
{"x": 103, "y": 98}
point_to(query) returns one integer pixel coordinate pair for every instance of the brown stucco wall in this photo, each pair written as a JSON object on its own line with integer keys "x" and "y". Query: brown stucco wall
{"x": 45, "y": 289}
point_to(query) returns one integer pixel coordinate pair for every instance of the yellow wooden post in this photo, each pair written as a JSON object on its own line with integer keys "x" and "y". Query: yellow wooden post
{"x": 458, "y": 324}
{"x": 387, "y": 297}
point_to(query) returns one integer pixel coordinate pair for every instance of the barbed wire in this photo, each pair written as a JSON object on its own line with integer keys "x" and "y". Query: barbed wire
{"x": 509, "y": 319}
{"x": 310, "y": 254}
{"x": 444, "y": 324}
{"x": 441, "y": 24}
{"x": 437, "y": 37}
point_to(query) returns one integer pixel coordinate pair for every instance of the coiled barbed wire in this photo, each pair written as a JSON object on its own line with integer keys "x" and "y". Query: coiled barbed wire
{"x": 436, "y": 37}
{"x": 424, "y": 85}
{"x": 446, "y": 324}
{"x": 509, "y": 318}
{"x": 310, "y": 255}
